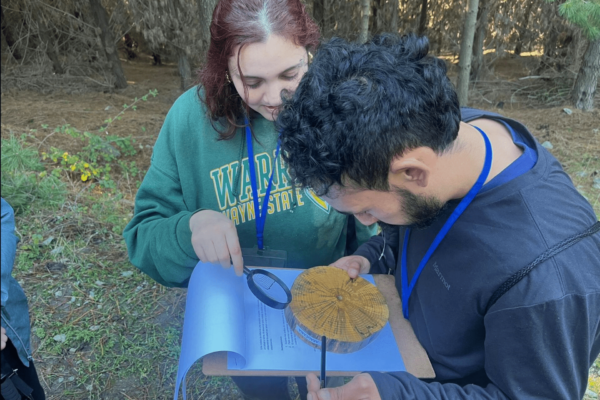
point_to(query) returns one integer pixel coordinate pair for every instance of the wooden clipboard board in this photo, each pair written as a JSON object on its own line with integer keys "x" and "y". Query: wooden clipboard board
{"x": 413, "y": 354}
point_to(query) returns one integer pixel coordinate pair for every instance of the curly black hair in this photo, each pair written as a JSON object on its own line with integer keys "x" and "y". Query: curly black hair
{"x": 360, "y": 105}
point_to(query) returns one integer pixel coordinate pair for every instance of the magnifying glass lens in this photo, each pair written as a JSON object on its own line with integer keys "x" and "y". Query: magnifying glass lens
{"x": 270, "y": 288}
{"x": 264, "y": 282}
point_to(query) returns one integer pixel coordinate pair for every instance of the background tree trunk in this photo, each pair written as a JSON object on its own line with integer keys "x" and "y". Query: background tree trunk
{"x": 320, "y": 14}
{"x": 8, "y": 36}
{"x": 549, "y": 50}
{"x": 46, "y": 39}
{"x": 423, "y": 19}
{"x": 522, "y": 29}
{"x": 377, "y": 16}
{"x": 466, "y": 50}
{"x": 108, "y": 43}
{"x": 478, "y": 63}
{"x": 550, "y": 38}
{"x": 365, "y": 6}
{"x": 205, "y": 12}
{"x": 185, "y": 71}
{"x": 550, "y": 43}
{"x": 586, "y": 83}
{"x": 394, "y": 20}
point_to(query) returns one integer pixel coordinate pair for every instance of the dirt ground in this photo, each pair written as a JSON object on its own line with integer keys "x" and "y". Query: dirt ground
{"x": 538, "y": 103}
{"x": 504, "y": 91}
{"x": 573, "y": 136}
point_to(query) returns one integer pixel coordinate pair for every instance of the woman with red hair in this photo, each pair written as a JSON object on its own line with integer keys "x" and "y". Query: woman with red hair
{"x": 217, "y": 190}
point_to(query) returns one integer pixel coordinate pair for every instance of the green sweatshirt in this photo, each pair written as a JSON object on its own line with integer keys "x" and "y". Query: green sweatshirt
{"x": 192, "y": 170}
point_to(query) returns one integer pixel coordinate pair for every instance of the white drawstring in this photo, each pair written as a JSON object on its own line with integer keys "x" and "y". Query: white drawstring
{"x": 382, "y": 251}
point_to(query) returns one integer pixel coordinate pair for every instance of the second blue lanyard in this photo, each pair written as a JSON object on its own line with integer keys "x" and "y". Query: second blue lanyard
{"x": 260, "y": 211}
{"x": 406, "y": 288}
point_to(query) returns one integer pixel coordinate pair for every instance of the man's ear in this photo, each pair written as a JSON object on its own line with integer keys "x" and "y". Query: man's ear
{"x": 413, "y": 168}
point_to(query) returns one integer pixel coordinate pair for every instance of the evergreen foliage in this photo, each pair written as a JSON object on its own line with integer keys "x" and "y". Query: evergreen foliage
{"x": 583, "y": 13}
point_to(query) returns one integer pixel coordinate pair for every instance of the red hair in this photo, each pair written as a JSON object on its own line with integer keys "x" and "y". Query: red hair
{"x": 237, "y": 23}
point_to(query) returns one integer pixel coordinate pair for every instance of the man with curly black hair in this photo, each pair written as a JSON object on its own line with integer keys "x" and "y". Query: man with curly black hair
{"x": 467, "y": 199}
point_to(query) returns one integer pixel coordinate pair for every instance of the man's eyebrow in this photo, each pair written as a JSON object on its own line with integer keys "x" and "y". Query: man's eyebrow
{"x": 281, "y": 73}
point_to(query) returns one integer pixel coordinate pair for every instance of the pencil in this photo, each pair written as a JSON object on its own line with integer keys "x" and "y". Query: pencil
{"x": 323, "y": 353}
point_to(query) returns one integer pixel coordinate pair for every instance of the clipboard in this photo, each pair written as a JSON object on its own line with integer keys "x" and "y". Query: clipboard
{"x": 413, "y": 354}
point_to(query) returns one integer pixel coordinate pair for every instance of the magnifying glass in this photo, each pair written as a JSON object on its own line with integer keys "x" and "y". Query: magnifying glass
{"x": 268, "y": 288}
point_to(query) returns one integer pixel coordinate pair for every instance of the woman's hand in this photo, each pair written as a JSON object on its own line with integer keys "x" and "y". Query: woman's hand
{"x": 354, "y": 265}
{"x": 215, "y": 240}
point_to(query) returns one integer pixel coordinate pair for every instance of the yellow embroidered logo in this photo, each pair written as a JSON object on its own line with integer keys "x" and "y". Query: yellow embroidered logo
{"x": 238, "y": 204}
{"x": 322, "y": 204}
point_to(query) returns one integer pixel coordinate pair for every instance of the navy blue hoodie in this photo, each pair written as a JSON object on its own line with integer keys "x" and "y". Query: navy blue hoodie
{"x": 539, "y": 340}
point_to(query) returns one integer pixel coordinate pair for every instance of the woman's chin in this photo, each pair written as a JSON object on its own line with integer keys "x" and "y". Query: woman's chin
{"x": 270, "y": 115}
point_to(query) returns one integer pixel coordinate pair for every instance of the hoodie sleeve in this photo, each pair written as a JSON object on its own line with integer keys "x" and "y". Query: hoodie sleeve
{"x": 158, "y": 238}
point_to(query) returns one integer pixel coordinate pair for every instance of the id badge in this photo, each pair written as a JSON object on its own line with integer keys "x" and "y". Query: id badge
{"x": 254, "y": 257}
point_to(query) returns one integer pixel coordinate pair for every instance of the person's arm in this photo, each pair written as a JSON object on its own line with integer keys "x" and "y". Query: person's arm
{"x": 9, "y": 247}
{"x": 167, "y": 237}
{"x": 541, "y": 351}
{"x": 158, "y": 238}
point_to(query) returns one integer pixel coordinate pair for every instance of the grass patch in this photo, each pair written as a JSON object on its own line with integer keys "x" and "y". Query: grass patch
{"x": 25, "y": 183}
{"x": 583, "y": 166}
{"x": 100, "y": 328}
{"x": 96, "y": 321}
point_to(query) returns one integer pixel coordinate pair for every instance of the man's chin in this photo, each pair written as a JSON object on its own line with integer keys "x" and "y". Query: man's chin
{"x": 385, "y": 225}
{"x": 428, "y": 218}
{"x": 423, "y": 224}
{"x": 420, "y": 224}
{"x": 423, "y": 221}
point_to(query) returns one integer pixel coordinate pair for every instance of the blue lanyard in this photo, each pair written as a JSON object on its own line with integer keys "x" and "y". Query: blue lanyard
{"x": 261, "y": 213}
{"x": 406, "y": 289}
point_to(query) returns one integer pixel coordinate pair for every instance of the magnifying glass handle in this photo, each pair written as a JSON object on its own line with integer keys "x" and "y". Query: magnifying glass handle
{"x": 246, "y": 270}
{"x": 323, "y": 357}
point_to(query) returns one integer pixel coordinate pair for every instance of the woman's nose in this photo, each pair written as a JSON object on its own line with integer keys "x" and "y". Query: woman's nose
{"x": 273, "y": 94}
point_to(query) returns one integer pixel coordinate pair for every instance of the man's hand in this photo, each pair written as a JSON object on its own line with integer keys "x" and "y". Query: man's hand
{"x": 354, "y": 265}
{"x": 361, "y": 387}
{"x": 4, "y": 338}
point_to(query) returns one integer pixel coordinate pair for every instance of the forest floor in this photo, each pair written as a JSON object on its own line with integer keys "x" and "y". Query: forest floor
{"x": 103, "y": 330}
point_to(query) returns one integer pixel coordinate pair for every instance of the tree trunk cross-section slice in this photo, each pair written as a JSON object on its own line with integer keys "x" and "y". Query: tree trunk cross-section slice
{"x": 326, "y": 302}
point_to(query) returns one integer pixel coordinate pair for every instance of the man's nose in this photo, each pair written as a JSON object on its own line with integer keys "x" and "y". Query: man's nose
{"x": 366, "y": 219}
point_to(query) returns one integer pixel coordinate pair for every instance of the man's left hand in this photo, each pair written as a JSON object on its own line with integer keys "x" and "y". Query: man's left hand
{"x": 361, "y": 387}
